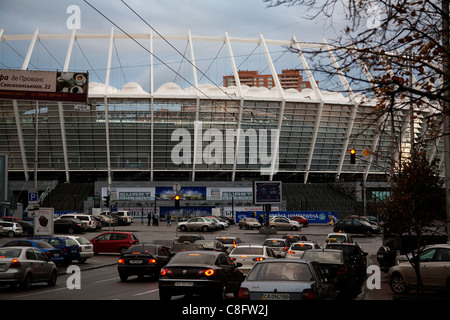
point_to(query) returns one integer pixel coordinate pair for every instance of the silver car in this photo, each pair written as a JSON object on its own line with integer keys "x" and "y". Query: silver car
{"x": 434, "y": 271}
{"x": 249, "y": 254}
{"x": 198, "y": 223}
{"x": 283, "y": 279}
{"x": 25, "y": 266}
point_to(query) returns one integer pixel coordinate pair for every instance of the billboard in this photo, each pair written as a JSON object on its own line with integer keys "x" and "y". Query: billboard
{"x": 44, "y": 85}
{"x": 267, "y": 192}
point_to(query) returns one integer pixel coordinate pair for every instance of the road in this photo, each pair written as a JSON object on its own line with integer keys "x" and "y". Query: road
{"x": 99, "y": 278}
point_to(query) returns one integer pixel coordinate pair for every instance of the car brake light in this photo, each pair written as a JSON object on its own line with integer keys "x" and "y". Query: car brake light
{"x": 291, "y": 252}
{"x": 14, "y": 263}
{"x": 152, "y": 261}
{"x": 308, "y": 294}
{"x": 121, "y": 261}
{"x": 165, "y": 272}
{"x": 341, "y": 271}
{"x": 206, "y": 272}
{"x": 244, "y": 294}
{"x": 258, "y": 259}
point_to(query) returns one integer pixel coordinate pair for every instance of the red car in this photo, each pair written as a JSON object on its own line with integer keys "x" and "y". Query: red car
{"x": 300, "y": 219}
{"x": 114, "y": 241}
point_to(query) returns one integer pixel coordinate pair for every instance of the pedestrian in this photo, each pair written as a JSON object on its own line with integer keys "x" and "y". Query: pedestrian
{"x": 156, "y": 219}
{"x": 260, "y": 219}
{"x": 169, "y": 220}
{"x": 149, "y": 218}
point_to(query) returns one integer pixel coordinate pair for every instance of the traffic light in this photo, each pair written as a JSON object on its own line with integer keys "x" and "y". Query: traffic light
{"x": 106, "y": 201}
{"x": 352, "y": 156}
{"x": 177, "y": 202}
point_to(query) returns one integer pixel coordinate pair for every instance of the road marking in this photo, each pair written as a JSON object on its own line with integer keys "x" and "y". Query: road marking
{"x": 104, "y": 280}
{"x": 41, "y": 292}
{"x": 147, "y": 292}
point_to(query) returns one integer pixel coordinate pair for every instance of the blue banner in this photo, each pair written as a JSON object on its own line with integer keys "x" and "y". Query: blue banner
{"x": 314, "y": 217}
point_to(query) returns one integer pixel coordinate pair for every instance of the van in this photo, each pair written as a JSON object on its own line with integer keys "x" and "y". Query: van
{"x": 125, "y": 217}
{"x": 88, "y": 221}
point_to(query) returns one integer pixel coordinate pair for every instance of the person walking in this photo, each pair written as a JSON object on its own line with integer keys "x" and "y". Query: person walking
{"x": 169, "y": 219}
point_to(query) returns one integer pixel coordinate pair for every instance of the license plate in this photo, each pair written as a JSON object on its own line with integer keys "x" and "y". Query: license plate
{"x": 184, "y": 284}
{"x": 56, "y": 254}
{"x": 275, "y": 296}
{"x": 74, "y": 251}
{"x": 135, "y": 261}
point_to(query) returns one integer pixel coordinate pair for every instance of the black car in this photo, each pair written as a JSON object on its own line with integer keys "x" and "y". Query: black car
{"x": 351, "y": 225}
{"x": 208, "y": 273}
{"x": 337, "y": 268}
{"x": 28, "y": 228}
{"x": 68, "y": 226}
{"x": 143, "y": 259}
{"x": 357, "y": 256}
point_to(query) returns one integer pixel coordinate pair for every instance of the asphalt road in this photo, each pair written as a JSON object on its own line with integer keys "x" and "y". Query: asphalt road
{"x": 100, "y": 280}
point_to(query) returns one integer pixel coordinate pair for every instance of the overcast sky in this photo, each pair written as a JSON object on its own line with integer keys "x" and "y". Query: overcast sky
{"x": 240, "y": 18}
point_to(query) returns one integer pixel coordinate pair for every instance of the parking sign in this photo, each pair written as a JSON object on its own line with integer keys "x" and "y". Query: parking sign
{"x": 33, "y": 197}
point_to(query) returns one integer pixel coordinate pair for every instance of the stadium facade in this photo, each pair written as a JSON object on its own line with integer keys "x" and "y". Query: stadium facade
{"x": 203, "y": 132}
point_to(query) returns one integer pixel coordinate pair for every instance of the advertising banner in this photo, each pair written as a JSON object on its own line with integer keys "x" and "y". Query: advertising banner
{"x": 43, "y": 85}
{"x": 313, "y": 217}
{"x": 43, "y": 222}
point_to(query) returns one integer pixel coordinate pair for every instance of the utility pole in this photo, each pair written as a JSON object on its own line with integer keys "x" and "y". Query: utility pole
{"x": 446, "y": 105}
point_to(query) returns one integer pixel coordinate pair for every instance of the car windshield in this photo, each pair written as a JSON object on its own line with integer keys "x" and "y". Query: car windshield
{"x": 71, "y": 242}
{"x": 338, "y": 237}
{"x": 323, "y": 256}
{"x": 348, "y": 249}
{"x": 140, "y": 249}
{"x": 281, "y": 271}
{"x": 82, "y": 240}
{"x": 9, "y": 253}
{"x": 274, "y": 243}
{"x": 197, "y": 258}
{"x": 44, "y": 245}
{"x": 248, "y": 250}
{"x": 301, "y": 247}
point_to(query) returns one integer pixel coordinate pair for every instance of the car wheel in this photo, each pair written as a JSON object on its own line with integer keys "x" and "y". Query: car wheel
{"x": 164, "y": 296}
{"x": 52, "y": 281}
{"x": 205, "y": 229}
{"x": 183, "y": 228}
{"x": 272, "y": 227}
{"x": 397, "y": 284}
{"x": 82, "y": 260}
{"x": 11, "y": 234}
{"x": 368, "y": 233}
{"x": 28, "y": 281}
{"x": 123, "y": 277}
{"x": 294, "y": 228}
{"x": 70, "y": 231}
{"x": 123, "y": 250}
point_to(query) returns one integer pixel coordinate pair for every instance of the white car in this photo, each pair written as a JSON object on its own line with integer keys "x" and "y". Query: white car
{"x": 11, "y": 229}
{"x": 88, "y": 221}
{"x": 249, "y": 254}
{"x": 297, "y": 249}
{"x": 86, "y": 248}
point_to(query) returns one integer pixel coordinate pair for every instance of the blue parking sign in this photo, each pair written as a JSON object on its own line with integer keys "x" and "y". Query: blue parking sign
{"x": 33, "y": 196}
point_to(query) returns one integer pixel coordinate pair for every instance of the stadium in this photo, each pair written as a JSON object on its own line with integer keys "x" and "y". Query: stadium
{"x": 130, "y": 139}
